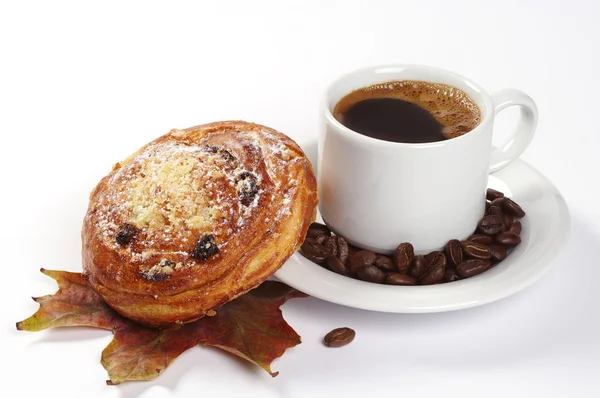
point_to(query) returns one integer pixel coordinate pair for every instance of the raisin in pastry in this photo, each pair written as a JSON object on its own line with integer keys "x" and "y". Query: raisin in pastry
{"x": 196, "y": 218}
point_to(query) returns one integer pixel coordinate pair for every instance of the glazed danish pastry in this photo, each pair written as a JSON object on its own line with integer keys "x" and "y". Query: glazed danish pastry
{"x": 196, "y": 218}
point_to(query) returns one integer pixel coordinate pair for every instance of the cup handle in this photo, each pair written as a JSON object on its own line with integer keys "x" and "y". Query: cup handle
{"x": 521, "y": 137}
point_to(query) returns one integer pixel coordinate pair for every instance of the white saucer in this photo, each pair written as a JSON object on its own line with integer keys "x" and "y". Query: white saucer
{"x": 545, "y": 232}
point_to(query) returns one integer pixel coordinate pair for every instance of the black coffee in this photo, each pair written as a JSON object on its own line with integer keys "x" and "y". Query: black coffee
{"x": 408, "y": 111}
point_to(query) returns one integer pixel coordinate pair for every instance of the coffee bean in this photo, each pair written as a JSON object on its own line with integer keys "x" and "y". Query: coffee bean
{"x": 385, "y": 263}
{"x": 516, "y": 227}
{"x": 508, "y": 221}
{"x": 419, "y": 267}
{"x": 361, "y": 259}
{"x": 321, "y": 239}
{"x": 498, "y": 252}
{"x": 495, "y": 210}
{"x": 450, "y": 275}
{"x": 492, "y": 194}
{"x": 336, "y": 265}
{"x": 313, "y": 251}
{"x": 435, "y": 269}
{"x": 508, "y": 238}
{"x": 404, "y": 256}
{"x": 480, "y": 238}
{"x": 400, "y": 279}
{"x": 487, "y": 205}
{"x": 316, "y": 229}
{"x": 511, "y": 207}
{"x": 330, "y": 245}
{"x": 472, "y": 267}
{"x": 497, "y": 202}
{"x": 370, "y": 273}
{"x": 343, "y": 249}
{"x": 339, "y": 337}
{"x": 454, "y": 252}
{"x": 491, "y": 225}
{"x": 476, "y": 250}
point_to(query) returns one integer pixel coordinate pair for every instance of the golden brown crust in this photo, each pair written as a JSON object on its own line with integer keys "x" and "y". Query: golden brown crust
{"x": 155, "y": 223}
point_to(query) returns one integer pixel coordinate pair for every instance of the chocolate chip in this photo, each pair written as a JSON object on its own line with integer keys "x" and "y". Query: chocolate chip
{"x": 247, "y": 187}
{"x": 125, "y": 234}
{"x": 205, "y": 248}
{"x": 152, "y": 276}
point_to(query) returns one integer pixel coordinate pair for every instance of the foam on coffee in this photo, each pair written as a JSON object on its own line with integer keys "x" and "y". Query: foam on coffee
{"x": 450, "y": 106}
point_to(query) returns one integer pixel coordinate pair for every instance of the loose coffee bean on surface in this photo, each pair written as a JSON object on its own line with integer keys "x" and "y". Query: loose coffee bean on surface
{"x": 476, "y": 250}
{"x": 481, "y": 238}
{"x": 370, "y": 273}
{"x": 512, "y": 208}
{"x": 454, "y": 253}
{"x": 339, "y": 337}
{"x": 492, "y": 194}
{"x": 508, "y": 238}
{"x": 400, "y": 279}
{"x": 419, "y": 266}
{"x": 385, "y": 263}
{"x": 336, "y": 265}
{"x": 491, "y": 225}
{"x": 361, "y": 259}
{"x": 516, "y": 227}
{"x": 404, "y": 256}
{"x": 435, "y": 269}
{"x": 508, "y": 220}
{"x": 450, "y": 275}
{"x": 331, "y": 246}
{"x": 316, "y": 229}
{"x": 313, "y": 251}
{"x": 472, "y": 267}
{"x": 498, "y": 251}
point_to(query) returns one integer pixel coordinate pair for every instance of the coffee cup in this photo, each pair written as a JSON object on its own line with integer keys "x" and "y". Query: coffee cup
{"x": 379, "y": 193}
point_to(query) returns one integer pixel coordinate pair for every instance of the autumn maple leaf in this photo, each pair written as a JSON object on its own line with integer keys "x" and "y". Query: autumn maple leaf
{"x": 251, "y": 327}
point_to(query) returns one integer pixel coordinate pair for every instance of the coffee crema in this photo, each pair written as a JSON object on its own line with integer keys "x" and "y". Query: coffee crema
{"x": 408, "y": 111}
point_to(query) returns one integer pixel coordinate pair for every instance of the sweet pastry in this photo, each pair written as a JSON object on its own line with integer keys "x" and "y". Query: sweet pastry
{"x": 196, "y": 218}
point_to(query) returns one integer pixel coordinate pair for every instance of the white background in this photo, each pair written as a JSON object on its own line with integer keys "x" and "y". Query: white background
{"x": 84, "y": 85}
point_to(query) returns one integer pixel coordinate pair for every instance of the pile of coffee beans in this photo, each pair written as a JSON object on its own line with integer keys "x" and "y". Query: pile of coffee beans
{"x": 497, "y": 233}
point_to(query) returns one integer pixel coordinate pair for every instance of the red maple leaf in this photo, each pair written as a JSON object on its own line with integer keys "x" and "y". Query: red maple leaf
{"x": 251, "y": 327}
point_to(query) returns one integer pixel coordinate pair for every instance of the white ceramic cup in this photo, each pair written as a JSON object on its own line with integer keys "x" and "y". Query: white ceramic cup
{"x": 378, "y": 194}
